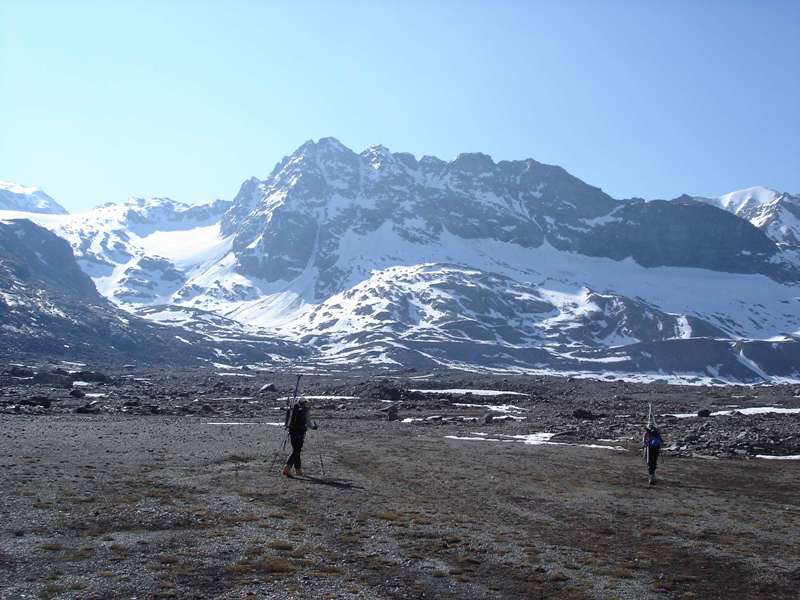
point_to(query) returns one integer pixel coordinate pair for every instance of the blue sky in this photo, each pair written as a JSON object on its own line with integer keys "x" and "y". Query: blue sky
{"x": 103, "y": 100}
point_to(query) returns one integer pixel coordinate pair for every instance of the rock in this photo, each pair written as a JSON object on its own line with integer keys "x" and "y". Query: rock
{"x": 268, "y": 387}
{"x": 53, "y": 379}
{"x": 703, "y": 412}
{"x": 382, "y": 390}
{"x": 37, "y": 401}
{"x": 392, "y": 413}
{"x": 16, "y": 371}
{"x": 93, "y": 376}
{"x": 88, "y": 409}
{"x": 128, "y": 366}
{"x": 76, "y": 393}
{"x": 582, "y": 413}
{"x": 488, "y": 418}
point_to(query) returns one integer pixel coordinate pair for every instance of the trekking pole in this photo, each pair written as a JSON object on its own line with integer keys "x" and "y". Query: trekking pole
{"x": 297, "y": 387}
{"x": 321, "y": 462}
{"x": 278, "y": 447}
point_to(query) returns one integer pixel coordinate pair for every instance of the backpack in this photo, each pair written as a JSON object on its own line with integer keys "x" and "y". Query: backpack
{"x": 295, "y": 417}
{"x": 654, "y": 439}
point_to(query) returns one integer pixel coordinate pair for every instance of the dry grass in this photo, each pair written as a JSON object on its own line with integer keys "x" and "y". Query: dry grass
{"x": 267, "y": 565}
{"x": 80, "y": 554}
{"x": 281, "y": 545}
{"x": 388, "y": 516}
{"x": 275, "y": 565}
{"x": 330, "y": 570}
{"x": 52, "y": 546}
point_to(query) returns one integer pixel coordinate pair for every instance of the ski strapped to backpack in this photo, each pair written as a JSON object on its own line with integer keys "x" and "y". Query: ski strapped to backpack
{"x": 652, "y": 438}
{"x": 291, "y": 407}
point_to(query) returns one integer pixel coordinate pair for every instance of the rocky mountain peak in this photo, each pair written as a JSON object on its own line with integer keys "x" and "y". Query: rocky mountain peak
{"x": 378, "y": 157}
{"x": 474, "y": 163}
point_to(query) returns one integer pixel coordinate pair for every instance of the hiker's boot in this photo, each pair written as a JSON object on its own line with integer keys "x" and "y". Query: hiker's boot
{"x": 651, "y": 479}
{"x": 298, "y": 472}
{"x": 287, "y": 471}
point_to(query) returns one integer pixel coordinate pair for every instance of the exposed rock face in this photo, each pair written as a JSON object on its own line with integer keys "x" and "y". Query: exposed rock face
{"x": 683, "y": 233}
{"x": 303, "y": 213}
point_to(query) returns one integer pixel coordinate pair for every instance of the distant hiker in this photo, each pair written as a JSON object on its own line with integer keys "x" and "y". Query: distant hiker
{"x": 651, "y": 440}
{"x": 297, "y": 423}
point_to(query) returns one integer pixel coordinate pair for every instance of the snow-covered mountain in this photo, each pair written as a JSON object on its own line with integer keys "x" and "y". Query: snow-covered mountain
{"x": 377, "y": 258}
{"x": 142, "y": 251}
{"x": 777, "y": 214}
{"x": 50, "y": 307}
{"x": 14, "y": 196}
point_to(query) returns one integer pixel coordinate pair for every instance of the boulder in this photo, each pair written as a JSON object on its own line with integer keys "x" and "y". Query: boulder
{"x": 488, "y": 418}
{"x": 53, "y": 379}
{"x": 77, "y": 393}
{"x": 93, "y": 376}
{"x": 16, "y": 371}
{"x": 268, "y": 387}
{"x": 703, "y": 412}
{"x": 37, "y": 401}
{"x": 582, "y": 413}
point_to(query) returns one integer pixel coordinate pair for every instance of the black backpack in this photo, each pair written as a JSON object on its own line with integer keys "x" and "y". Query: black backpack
{"x": 295, "y": 417}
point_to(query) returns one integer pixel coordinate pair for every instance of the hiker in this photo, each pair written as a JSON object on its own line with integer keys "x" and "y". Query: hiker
{"x": 651, "y": 440}
{"x": 297, "y": 422}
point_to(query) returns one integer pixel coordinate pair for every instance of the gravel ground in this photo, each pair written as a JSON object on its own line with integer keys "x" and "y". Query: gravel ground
{"x": 138, "y": 495}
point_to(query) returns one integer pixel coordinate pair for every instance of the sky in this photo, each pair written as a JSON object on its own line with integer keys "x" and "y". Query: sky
{"x": 100, "y": 101}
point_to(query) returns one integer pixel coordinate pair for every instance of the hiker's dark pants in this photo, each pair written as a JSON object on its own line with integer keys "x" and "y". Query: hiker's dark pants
{"x": 296, "y": 438}
{"x": 652, "y": 459}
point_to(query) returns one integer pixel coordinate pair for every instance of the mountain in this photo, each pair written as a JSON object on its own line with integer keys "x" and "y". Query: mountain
{"x": 14, "y": 196}
{"x": 316, "y": 199}
{"x": 50, "y": 307}
{"x": 775, "y": 213}
{"x": 378, "y": 259}
{"x": 141, "y": 251}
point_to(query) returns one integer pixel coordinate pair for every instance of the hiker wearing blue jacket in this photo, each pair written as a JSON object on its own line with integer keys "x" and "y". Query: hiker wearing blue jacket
{"x": 651, "y": 441}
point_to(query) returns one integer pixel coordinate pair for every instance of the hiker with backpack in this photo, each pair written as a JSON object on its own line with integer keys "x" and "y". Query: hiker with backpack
{"x": 297, "y": 422}
{"x": 651, "y": 443}
{"x": 651, "y": 440}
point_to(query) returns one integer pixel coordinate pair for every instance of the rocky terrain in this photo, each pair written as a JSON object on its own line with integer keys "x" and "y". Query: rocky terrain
{"x": 148, "y": 482}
